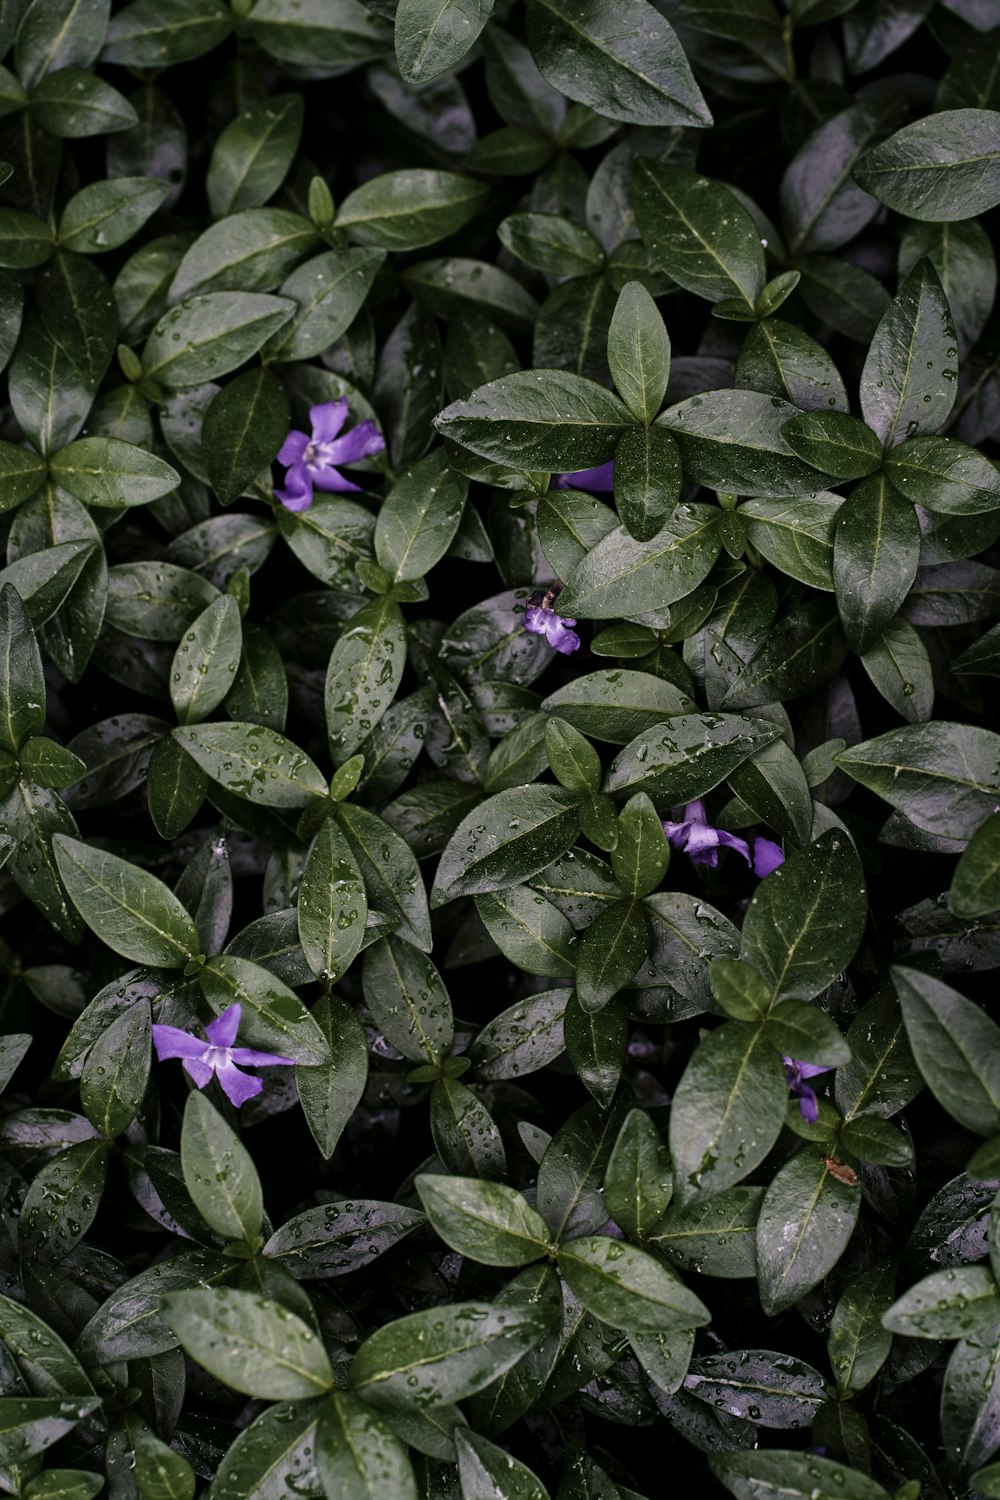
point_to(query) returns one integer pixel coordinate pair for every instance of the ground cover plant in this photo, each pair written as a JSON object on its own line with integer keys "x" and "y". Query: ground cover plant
{"x": 499, "y": 773}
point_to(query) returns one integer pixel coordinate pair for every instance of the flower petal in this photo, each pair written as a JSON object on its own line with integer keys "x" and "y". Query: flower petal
{"x": 297, "y": 494}
{"x": 200, "y": 1071}
{"x": 249, "y": 1057}
{"x": 238, "y": 1087}
{"x": 332, "y": 479}
{"x": 361, "y": 442}
{"x": 170, "y": 1041}
{"x": 677, "y": 834}
{"x": 733, "y": 841}
{"x": 808, "y": 1107}
{"x": 327, "y": 419}
{"x": 222, "y": 1031}
{"x": 293, "y": 447}
{"x": 600, "y": 479}
{"x": 560, "y": 636}
{"x": 767, "y": 856}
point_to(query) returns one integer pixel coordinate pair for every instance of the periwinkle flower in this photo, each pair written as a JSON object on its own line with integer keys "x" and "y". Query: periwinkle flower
{"x": 696, "y": 838}
{"x": 541, "y": 619}
{"x": 312, "y": 458}
{"x": 599, "y": 481}
{"x": 797, "y": 1073}
{"x": 217, "y": 1057}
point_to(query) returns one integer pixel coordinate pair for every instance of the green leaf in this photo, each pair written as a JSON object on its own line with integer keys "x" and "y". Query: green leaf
{"x": 960, "y": 1303}
{"x": 834, "y": 442}
{"x": 62, "y": 1202}
{"x": 107, "y": 473}
{"x": 73, "y": 103}
{"x": 22, "y": 683}
{"x": 486, "y": 1221}
{"x": 64, "y": 1484}
{"x": 276, "y": 1446}
{"x": 443, "y": 1354}
{"x": 505, "y": 840}
{"x": 332, "y": 905}
{"x": 876, "y": 552}
{"x": 464, "y": 1132}
{"x": 252, "y": 156}
{"x": 30, "y": 1424}
{"x": 419, "y": 517}
{"x": 330, "y": 1092}
{"x": 621, "y": 573}
{"x": 116, "y": 1072}
{"x": 713, "y": 1235}
{"x": 568, "y": 1195}
{"x": 616, "y": 704}
{"x": 642, "y": 854}
{"x": 806, "y": 1220}
{"x": 253, "y": 251}
{"x": 963, "y": 257}
{"x": 549, "y": 242}
{"x": 796, "y": 1029}
{"x": 364, "y": 672}
{"x": 431, "y": 36}
{"x": 530, "y": 931}
{"x": 596, "y": 1044}
{"x": 740, "y": 989}
{"x": 698, "y": 232}
{"x": 21, "y": 475}
{"x": 805, "y": 922}
{"x": 274, "y": 1018}
{"x": 408, "y": 1000}
{"x": 629, "y": 66}
{"x": 777, "y": 1475}
{"x": 206, "y": 661}
{"x": 245, "y": 425}
{"x": 943, "y": 777}
{"x": 490, "y": 1472}
{"x": 857, "y": 1344}
{"x": 329, "y": 291}
{"x": 219, "y": 1173}
{"x": 25, "y": 239}
{"x": 773, "y": 785}
{"x": 538, "y": 419}
{"x": 975, "y": 885}
{"x": 941, "y": 168}
{"x": 357, "y": 1455}
{"x": 340, "y": 1237}
{"x": 647, "y": 480}
{"x": 639, "y": 351}
{"x": 780, "y": 360}
{"x": 128, "y": 908}
{"x": 330, "y": 34}
{"x": 800, "y": 653}
{"x": 211, "y": 335}
{"x": 408, "y": 209}
{"x": 956, "y": 1047}
{"x": 733, "y": 441}
{"x": 687, "y": 755}
{"x": 104, "y": 215}
{"x": 254, "y": 762}
{"x": 522, "y": 1038}
{"x": 162, "y": 1473}
{"x": 908, "y": 384}
{"x": 766, "y": 1388}
{"x": 612, "y": 949}
{"x": 638, "y": 1182}
{"x": 944, "y": 476}
{"x": 626, "y": 1287}
{"x": 175, "y": 788}
{"x": 251, "y": 1344}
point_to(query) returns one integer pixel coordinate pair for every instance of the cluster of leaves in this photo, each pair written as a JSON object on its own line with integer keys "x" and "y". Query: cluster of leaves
{"x": 312, "y": 764}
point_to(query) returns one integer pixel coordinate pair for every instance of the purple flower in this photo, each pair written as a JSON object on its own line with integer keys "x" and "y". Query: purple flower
{"x": 541, "y": 619}
{"x": 218, "y": 1056}
{"x": 599, "y": 480}
{"x": 701, "y": 842}
{"x": 311, "y": 459}
{"x": 796, "y": 1073}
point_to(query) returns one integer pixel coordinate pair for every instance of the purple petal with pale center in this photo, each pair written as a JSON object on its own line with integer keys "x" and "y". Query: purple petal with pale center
{"x": 327, "y": 419}
{"x": 222, "y": 1031}
{"x": 293, "y": 448}
{"x": 199, "y": 1070}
